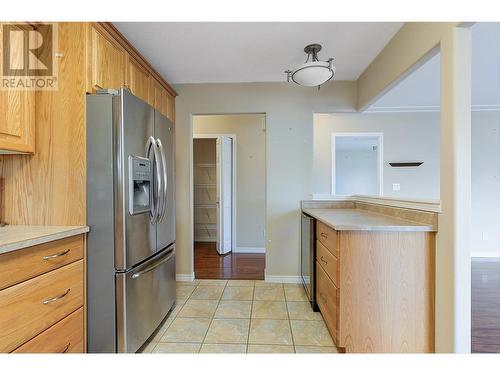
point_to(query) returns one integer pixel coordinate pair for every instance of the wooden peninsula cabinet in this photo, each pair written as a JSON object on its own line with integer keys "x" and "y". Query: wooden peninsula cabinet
{"x": 375, "y": 288}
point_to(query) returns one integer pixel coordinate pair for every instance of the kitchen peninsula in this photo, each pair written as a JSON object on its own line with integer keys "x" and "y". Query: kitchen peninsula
{"x": 374, "y": 269}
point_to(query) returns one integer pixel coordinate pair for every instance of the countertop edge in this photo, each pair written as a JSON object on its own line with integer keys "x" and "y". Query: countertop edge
{"x": 416, "y": 227}
{"x": 21, "y": 244}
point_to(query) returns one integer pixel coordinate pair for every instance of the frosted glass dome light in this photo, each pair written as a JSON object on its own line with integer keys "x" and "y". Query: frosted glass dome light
{"x": 313, "y": 72}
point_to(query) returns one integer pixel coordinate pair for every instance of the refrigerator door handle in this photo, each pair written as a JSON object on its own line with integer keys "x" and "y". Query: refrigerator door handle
{"x": 169, "y": 256}
{"x": 154, "y": 157}
{"x": 161, "y": 213}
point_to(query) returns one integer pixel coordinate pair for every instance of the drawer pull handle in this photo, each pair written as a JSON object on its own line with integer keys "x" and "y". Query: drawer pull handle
{"x": 323, "y": 260}
{"x": 48, "y": 257}
{"x": 53, "y": 299}
{"x": 324, "y": 235}
{"x": 66, "y": 348}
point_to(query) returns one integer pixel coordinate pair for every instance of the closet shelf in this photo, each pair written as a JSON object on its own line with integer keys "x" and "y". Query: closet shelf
{"x": 205, "y": 205}
{"x": 207, "y": 226}
{"x": 205, "y": 165}
{"x": 205, "y": 185}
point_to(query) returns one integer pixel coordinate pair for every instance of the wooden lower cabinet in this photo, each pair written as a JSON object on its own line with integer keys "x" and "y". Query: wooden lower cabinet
{"x": 31, "y": 307}
{"x": 65, "y": 336}
{"x": 377, "y": 296}
{"x": 328, "y": 301}
{"x": 21, "y": 265}
{"x": 43, "y": 312}
{"x": 328, "y": 237}
{"x": 328, "y": 262}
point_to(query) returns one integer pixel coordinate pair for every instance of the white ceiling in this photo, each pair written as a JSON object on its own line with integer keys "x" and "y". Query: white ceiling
{"x": 422, "y": 87}
{"x": 202, "y": 52}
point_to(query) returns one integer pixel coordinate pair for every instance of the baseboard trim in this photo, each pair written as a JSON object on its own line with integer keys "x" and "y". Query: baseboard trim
{"x": 184, "y": 277}
{"x": 240, "y": 249}
{"x": 283, "y": 279}
{"x": 485, "y": 255}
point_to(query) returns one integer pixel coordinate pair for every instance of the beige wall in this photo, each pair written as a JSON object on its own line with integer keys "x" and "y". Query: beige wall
{"x": 414, "y": 43}
{"x": 407, "y": 137}
{"x": 409, "y": 48}
{"x": 289, "y": 163}
{"x": 289, "y": 150}
{"x": 250, "y": 172}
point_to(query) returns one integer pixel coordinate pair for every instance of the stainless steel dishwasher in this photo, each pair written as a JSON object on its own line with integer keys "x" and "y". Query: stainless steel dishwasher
{"x": 308, "y": 256}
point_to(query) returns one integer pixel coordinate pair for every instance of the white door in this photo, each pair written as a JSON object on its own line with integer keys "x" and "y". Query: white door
{"x": 224, "y": 194}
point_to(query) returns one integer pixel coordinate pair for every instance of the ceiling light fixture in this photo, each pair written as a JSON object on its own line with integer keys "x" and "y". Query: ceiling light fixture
{"x": 313, "y": 72}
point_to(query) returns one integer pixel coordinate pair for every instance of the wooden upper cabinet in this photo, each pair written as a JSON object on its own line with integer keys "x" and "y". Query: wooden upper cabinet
{"x": 171, "y": 107}
{"x": 17, "y": 111}
{"x": 113, "y": 63}
{"x": 138, "y": 80}
{"x": 106, "y": 68}
{"x": 159, "y": 97}
{"x": 162, "y": 100}
{"x": 17, "y": 121}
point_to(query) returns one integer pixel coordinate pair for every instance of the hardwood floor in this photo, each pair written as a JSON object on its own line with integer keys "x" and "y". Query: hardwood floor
{"x": 208, "y": 264}
{"x": 485, "y": 305}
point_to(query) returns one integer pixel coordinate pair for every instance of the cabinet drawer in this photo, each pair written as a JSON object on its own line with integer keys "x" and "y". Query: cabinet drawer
{"x": 328, "y": 301}
{"x": 33, "y": 306}
{"x": 328, "y": 238}
{"x": 21, "y": 265}
{"x": 329, "y": 263}
{"x": 65, "y": 336}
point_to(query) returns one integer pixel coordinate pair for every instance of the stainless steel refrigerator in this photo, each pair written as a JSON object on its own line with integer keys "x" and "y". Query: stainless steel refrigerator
{"x": 131, "y": 215}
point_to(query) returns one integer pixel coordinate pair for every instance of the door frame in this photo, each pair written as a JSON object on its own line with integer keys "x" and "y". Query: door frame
{"x": 233, "y": 182}
{"x": 380, "y": 157}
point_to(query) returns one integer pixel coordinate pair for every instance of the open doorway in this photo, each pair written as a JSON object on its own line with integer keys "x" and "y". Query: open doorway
{"x": 214, "y": 190}
{"x": 229, "y": 196}
{"x": 357, "y": 163}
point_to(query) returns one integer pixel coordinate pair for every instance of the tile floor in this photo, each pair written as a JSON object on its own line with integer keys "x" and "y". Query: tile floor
{"x": 241, "y": 316}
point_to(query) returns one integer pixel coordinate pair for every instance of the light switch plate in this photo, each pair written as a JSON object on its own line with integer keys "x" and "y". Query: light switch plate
{"x": 396, "y": 187}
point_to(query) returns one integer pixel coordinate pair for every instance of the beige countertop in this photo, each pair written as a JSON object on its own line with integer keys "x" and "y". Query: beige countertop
{"x": 15, "y": 237}
{"x": 362, "y": 220}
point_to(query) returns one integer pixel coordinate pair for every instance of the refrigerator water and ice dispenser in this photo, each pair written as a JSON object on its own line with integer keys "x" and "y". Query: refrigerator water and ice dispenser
{"x": 140, "y": 181}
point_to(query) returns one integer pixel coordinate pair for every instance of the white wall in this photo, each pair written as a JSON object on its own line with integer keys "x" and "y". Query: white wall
{"x": 250, "y": 172}
{"x": 289, "y": 148}
{"x": 407, "y": 137}
{"x": 415, "y": 136}
{"x": 486, "y": 184}
{"x": 356, "y": 172}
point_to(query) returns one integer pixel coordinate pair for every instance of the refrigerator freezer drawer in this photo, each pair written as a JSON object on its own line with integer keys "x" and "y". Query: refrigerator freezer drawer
{"x": 145, "y": 295}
